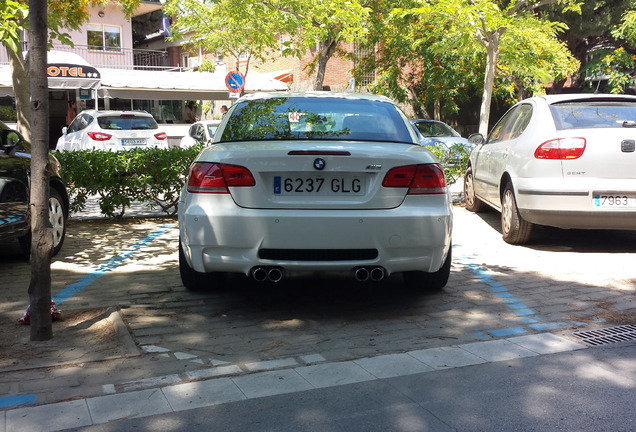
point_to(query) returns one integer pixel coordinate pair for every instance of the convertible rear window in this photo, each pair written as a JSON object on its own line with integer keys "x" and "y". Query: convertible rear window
{"x": 323, "y": 118}
{"x": 127, "y": 122}
{"x": 582, "y": 114}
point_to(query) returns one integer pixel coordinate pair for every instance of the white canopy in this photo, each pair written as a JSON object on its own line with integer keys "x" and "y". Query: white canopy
{"x": 65, "y": 70}
{"x": 141, "y": 84}
{"x": 68, "y": 70}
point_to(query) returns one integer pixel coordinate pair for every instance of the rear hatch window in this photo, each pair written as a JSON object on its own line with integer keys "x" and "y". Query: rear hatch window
{"x": 594, "y": 114}
{"x": 297, "y": 118}
{"x": 127, "y": 122}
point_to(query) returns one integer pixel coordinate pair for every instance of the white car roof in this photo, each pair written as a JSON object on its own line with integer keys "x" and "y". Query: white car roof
{"x": 98, "y": 113}
{"x": 317, "y": 94}
{"x": 556, "y": 98}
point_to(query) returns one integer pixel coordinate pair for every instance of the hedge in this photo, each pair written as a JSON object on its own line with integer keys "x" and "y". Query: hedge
{"x": 156, "y": 176}
{"x": 153, "y": 176}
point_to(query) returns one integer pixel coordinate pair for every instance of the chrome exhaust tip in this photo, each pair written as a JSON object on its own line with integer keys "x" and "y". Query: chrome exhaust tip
{"x": 377, "y": 274}
{"x": 361, "y": 274}
{"x": 275, "y": 275}
{"x": 259, "y": 274}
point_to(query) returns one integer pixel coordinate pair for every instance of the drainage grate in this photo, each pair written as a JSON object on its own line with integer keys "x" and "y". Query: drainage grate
{"x": 608, "y": 335}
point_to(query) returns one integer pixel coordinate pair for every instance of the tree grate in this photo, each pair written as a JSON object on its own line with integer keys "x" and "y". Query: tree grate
{"x": 608, "y": 335}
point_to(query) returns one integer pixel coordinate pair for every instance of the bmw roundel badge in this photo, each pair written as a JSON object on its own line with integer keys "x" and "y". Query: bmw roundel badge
{"x": 319, "y": 164}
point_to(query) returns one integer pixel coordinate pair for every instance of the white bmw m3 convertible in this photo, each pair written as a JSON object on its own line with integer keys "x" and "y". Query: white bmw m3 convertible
{"x": 320, "y": 182}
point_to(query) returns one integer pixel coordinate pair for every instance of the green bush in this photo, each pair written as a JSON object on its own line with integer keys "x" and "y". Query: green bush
{"x": 154, "y": 176}
{"x": 454, "y": 160}
{"x": 8, "y": 114}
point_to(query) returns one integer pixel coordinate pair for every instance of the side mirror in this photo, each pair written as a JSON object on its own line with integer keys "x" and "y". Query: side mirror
{"x": 64, "y": 129}
{"x": 476, "y": 139}
{"x": 10, "y": 138}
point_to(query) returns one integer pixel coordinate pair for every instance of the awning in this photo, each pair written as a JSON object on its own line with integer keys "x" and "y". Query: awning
{"x": 141, "y": 84}
{"x": 67, "y": 70}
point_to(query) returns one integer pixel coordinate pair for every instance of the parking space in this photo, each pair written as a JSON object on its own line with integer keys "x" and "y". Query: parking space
{"x": 564, "y": 281}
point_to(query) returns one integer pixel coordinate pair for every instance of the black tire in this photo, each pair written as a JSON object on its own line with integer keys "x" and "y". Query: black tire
{"x": 196, "y": 281}
{"x": 473, "y": 203}
{"x": 514, "y": 228}
{"x": 58, "y": 214}
{"x": 431, "y": 282}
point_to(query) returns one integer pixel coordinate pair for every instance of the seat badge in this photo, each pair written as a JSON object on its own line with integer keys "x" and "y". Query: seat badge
{"x": 319, "y": 164}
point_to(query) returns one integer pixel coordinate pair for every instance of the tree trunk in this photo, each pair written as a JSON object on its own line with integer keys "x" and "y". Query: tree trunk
{"x": 492, "y": 56}
{"x": 328, "y": 48}
{"x": 41, "y": 230}
{"x": 21, "y": 90}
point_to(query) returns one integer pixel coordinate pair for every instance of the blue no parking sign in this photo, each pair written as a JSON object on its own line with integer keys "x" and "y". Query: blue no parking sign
{"x": 235, "y": 81}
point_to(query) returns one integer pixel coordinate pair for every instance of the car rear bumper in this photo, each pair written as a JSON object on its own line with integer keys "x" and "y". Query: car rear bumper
{"x": 574, "y": 204}
{"x": 219, "y": 236}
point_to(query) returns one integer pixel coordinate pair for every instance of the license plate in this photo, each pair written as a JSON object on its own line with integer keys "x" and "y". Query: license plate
{"x": 308, "y": 185}
{"x": 133, "y": 142}
{"x": 614, "y": 200}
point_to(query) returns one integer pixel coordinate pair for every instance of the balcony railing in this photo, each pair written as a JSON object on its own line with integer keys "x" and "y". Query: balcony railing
{"x": 125, "y": 58}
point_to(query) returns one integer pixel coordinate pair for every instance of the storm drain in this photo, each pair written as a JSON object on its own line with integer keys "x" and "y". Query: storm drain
{"x": 608, "y": 335}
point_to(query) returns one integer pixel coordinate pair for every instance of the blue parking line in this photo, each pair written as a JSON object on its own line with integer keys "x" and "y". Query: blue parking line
{"x": 13, "y": 401}
{"x": 114, "y": 262}
{"x": 527, "y": 315}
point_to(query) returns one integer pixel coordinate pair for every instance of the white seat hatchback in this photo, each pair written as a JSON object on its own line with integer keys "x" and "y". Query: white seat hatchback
{"x": 112, "y": 131}
{"x": 566, "y": 161}
{"x": 319, "y": 182}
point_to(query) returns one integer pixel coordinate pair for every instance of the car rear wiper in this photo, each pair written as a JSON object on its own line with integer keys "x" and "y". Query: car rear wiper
{"x": 629, "y": 124}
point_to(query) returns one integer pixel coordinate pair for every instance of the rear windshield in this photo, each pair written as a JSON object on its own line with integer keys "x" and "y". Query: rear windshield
{"x": 434, "y": 129}
{"x": 594, "y": 114}
{"x": 288, "y": 118}
{"x": 127, "y": 122}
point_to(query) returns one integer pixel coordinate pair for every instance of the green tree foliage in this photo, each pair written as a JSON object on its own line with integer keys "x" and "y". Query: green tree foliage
{"x": 448, "y": 40}
{"x": 249, "y": 28}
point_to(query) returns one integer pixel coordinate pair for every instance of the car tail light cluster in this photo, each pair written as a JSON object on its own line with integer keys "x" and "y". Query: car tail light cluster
{"x": 161, "y": 136}
{"x": 99, "y": 136}
{"x": 420, "y": 179}
{"x": 561, "y": 148}
{"x": 209, "y": 177}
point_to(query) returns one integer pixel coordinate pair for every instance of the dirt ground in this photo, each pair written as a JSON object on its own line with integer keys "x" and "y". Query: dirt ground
{"x": 78, "y": 336}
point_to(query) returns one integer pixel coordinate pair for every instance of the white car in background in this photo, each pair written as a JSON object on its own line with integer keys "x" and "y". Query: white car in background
{"x": 200, "y": 132}
{"x": 567, "y": 161}
{"x": 318, "y": 182}
{"x": 112, "y": 131}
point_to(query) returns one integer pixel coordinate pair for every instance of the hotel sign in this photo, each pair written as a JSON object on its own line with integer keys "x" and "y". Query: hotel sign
{"x": 72, "y": 71}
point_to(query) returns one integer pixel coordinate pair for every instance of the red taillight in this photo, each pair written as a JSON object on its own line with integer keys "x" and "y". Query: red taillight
{"x": 99, "y": 136}
{"x": 208, "y": 177}
{"x": 161, "y": 136}
{"x": 420, "y": 179}
{"x": 561, "y": 148}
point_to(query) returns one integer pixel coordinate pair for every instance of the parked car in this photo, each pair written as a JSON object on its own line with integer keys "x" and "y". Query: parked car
{"x": 113, "y": 131}
{"x": 200, "y": 132}
{"x": 15, "y": 176}
{"x": 559, "y": 160}
{"x": 437, "y": 133}
{"x": 318, "y": 182}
